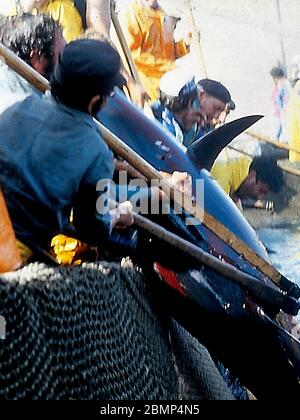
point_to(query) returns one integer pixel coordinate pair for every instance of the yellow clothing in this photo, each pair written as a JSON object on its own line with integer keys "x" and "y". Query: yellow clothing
{"x": 70, "y": 251}
{"x": 24, "y": 251}
{"x": 67, "y": 15}
{"x": 153, "y": 54}
{"x": 232, "y": 173}
{"x": 293, "y": 122}
{"x": 64, "y": 12}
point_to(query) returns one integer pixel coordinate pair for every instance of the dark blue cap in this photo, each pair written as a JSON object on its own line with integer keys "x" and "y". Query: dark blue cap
{"x": 89, "y": 64}
{"x": 217, "y": 90}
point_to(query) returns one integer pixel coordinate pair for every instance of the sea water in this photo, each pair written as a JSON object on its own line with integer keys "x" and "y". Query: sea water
{"x": 283, "y": 243}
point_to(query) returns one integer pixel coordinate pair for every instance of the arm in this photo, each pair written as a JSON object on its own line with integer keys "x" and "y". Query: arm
{"x": 98, "y": 16}
{"x": 135, "y": 37}
{"x": 92, "y": 217}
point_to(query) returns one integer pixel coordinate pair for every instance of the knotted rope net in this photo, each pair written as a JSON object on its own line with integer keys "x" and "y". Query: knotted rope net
{"x": 89, "y": 332}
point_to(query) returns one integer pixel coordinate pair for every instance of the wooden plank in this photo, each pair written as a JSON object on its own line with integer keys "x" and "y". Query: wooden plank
{"x": 196, "y": 42}
{"x": 275, "y": 143}
{"x": 123, "y": 44}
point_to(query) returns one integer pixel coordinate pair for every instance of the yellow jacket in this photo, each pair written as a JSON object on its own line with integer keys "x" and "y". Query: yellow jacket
{"x": 231, "y": 173}
{"x": 153, "y": 54}
{"x": 293, "y": 122}
{"x": 64, "y": 12}
{"x": 67, "y": 15}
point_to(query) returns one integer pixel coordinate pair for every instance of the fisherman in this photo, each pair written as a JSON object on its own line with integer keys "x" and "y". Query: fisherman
{"x": 216, "y": 103}
{"x": 63, "y": 11}
{"x": 175, "y": 109}
{"x": 74, "y": 17}
{"x": 293, "y": 111}
{"x": 93, "y": 16}
{"x": 189, "y": 110}
{"x": 154, "y": 53}
{"x": 248, "y": 179}
{"x": 35, "y": 39}
{"x": 280, "y": 98}
{"x": 52, "y": 155}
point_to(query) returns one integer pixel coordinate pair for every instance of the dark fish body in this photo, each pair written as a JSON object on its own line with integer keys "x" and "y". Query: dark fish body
{"x": 220, "y": 313}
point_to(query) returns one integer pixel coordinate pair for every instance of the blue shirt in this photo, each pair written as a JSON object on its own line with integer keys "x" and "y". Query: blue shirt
{"x": 51, "y": 159}
{"x": 169, "y": 122}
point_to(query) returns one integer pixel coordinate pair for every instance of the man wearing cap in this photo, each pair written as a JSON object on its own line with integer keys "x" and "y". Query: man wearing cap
{"x": 175, "y": 110}
{"x": 215, "y": 102}
{"x": 189, "y": 110}
{"x": 52, "y": 155}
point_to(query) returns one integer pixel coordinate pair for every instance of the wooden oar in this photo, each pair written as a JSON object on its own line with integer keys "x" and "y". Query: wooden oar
{"x": 266, "y": 139}
{"x": 196, "y": 43}
{"x": 235, "y": 149}
{"x": 269, "y": 294}
{"x": 123, "y": 44}
{"x": 290, "y": 169}
{"x": 127, "y": 56}
{"x": 149, "y": 172}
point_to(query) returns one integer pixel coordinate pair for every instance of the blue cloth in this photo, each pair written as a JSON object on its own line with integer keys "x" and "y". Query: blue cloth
{"x": 51, "y": 159}
{"x": 169, "y": 122}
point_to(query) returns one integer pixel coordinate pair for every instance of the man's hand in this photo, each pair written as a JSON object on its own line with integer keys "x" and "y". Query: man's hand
{"x": 137, "y": 93}
{"x": 122, "y": 216}
{"x": 180, "y": 180}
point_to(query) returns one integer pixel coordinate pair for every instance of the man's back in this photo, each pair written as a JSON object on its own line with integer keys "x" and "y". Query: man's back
{"x": 231, "y": 173}
{"x": 49, "y": 155}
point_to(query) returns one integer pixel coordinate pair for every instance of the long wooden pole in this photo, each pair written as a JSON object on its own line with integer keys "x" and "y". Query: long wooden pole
{"x": 266, "y": 139}
{"x": 196, "y": 42}
{"x": 149, "y": 172}
{"x": 123, "y": 43}
{"x": 235, "y": 149}
{"x": 269, "y": 293}
{"x": 248, "y": 282}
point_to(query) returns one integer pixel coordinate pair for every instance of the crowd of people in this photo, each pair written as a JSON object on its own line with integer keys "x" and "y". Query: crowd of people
{"x": 186, "y": 107}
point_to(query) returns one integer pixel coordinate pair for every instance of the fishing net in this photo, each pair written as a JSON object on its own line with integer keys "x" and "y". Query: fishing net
{"x": 89, "y": 332}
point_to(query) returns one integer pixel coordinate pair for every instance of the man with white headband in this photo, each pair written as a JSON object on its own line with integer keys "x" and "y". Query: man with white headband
{"x": 189, "y": 110}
